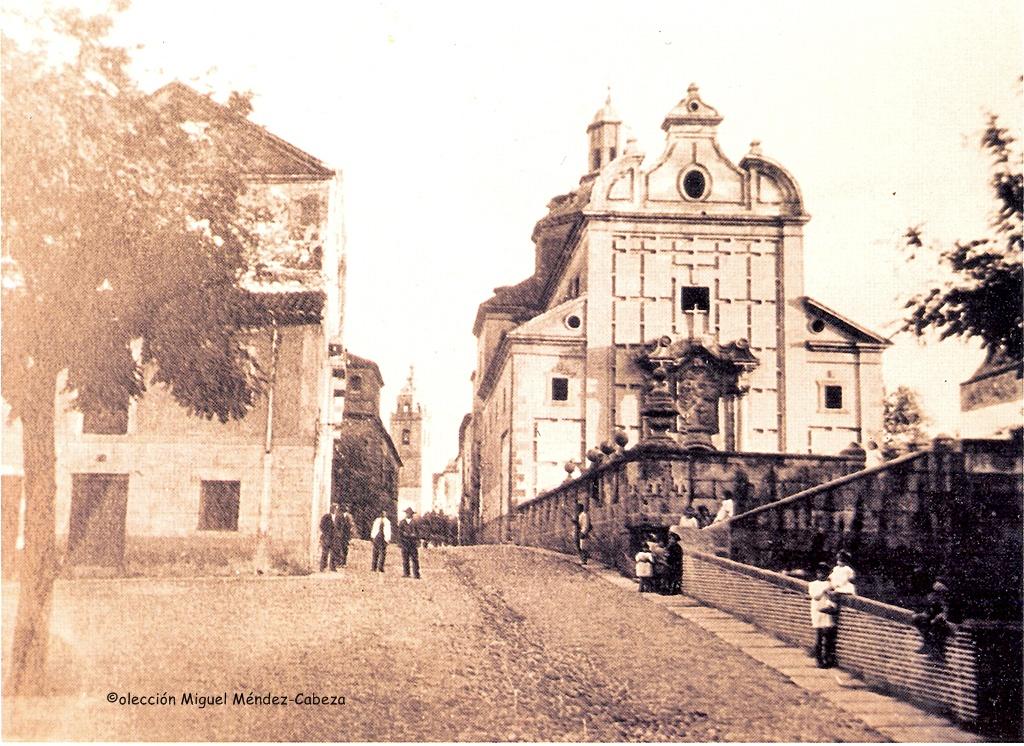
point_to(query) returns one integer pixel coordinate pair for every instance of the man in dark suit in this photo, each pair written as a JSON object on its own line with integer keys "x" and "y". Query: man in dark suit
{"x": 408, "y": 535}
{"x": 327, "y": 538}
{"x": 344, "y": 525}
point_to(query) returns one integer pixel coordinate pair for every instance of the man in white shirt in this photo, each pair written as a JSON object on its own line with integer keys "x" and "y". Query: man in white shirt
{"x": 380, "y": 535}
{"x": 823, "y": 610}
{"x": 727, "y": 509}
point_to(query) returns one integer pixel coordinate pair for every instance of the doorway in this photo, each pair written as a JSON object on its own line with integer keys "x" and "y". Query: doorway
{"x": 99, "y": 504}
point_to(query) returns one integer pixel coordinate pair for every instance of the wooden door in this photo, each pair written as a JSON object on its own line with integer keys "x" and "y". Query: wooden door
{"x": 99, "y": 503}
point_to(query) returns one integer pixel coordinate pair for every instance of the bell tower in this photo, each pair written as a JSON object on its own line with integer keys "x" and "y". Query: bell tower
{"x": 603, "y": 134}
{"x": 407, "y": 435}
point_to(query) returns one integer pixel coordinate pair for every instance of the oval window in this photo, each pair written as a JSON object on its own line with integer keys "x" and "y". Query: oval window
{"x": 573, "y": 321}
{"x": 694, "y": 184}
{"x": 817, "y": 326}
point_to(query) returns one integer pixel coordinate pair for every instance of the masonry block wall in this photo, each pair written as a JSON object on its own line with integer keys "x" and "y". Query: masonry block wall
{"x": 876, "y": 642}
{"x": 167, "y": 455}
{"x": 948, "y": 512}
{"x": 633, "y": 492}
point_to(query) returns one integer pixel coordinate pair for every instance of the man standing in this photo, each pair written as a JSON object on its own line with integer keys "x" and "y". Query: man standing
{"x": 380, "y": 535}
{"x": 327, "y": 538}
{"x": 582, "y": 532}
{"x": 727, "y": 508}
{"x": 409, "y": 540}
{"x": 343, "y": 526}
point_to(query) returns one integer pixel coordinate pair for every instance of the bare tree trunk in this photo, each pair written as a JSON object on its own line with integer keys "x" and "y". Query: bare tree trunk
{"x": 39, "y": 563}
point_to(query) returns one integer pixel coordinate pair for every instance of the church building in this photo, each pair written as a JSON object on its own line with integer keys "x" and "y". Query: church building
{"x": 407, "y": 434}
{"x": 689, "y": 246}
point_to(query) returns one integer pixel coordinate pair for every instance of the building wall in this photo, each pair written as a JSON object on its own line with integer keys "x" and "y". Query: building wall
{"x": 167, "y": 453}
{"x": 447, "y": 489}
{"x": 365, "y": 472}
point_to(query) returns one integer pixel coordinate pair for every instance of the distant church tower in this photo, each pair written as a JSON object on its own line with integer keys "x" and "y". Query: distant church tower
{"x": 407, "y": 434}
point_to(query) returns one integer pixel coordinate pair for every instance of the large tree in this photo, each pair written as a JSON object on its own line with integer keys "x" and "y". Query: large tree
{"x": 982, "y": 298}
{"x": 903, "y": 423}
{"x": 123, "y": 246}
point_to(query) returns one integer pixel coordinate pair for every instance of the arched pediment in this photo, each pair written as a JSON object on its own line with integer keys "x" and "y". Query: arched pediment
{"x": 771, "y": 186}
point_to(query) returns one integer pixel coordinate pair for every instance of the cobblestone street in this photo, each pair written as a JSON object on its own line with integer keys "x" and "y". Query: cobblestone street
{"x": 495, "y": 643}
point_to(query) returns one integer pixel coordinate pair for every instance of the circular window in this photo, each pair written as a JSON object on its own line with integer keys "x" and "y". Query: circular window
{"x": 573, "y": 321}
{"x": 817, "y": 326}
{"x": 695, "y": 185}
{"x": 694, "y": 106}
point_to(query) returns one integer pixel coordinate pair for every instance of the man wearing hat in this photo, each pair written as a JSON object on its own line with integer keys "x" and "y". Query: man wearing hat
{"x": 409, "y": 540}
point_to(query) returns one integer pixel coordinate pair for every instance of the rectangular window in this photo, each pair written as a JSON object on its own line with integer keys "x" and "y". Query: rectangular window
{"x": 98, "y": 421}
{"x": 698, "y": 298}
{"x": 218, "y": 506}
{"x": 833, "y": 397}
{"x": 560, "y": 389}
{"x": 595, "y": 160}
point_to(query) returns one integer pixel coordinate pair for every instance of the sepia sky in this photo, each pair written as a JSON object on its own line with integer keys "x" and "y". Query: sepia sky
{"x": 455, "y": 123}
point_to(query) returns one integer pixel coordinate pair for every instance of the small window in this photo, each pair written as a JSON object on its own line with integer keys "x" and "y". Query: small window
{"x": 595, "y": 160}
{"x": 694, "y": 184}
{"x": 309, "y": 210}
{"x": 560, "y": 389}
{"x": 218, "y": 506}
{"x": 98, "y": 421}
{"x": 833, "y": 397}
{"x": 611, "y": 154}
{"x": 405, "y": 437}
{"x": 695, "y": 298}
{"x": 572, "y": 321}
{"x": 356, "y": 384}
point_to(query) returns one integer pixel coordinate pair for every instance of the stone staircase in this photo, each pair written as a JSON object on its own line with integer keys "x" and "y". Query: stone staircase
{"x": 893, "y": 718}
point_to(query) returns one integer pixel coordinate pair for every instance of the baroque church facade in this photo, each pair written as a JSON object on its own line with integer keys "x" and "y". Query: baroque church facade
{"x": 692, "y": 246}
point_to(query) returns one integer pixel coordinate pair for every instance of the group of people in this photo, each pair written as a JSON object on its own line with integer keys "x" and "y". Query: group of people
{"x": 700, "y": 517}
{"x": 337, "y": 527}
{"x": 659, "y": 565}
{"x": 826, "y": 592}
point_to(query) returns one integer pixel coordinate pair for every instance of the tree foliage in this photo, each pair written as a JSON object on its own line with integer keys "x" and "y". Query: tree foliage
{"x": 903, "y": 423}
{"x": 119, "y": 224}
{"x": 984, "y": 299}
{"x": 123, "y": 247}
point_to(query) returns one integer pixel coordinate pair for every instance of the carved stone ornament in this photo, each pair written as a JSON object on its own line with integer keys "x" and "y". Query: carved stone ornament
{"x": 700, "y": 373}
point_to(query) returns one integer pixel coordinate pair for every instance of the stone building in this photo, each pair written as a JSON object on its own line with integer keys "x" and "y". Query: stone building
{"x": 689, "y": 246}
{"x": 153, "y": 484}
{"x": 366, "y": 462}
{"x": 446, "y": 493}
{"x": 407, "y": 433}
{"x": 992, "y": 400}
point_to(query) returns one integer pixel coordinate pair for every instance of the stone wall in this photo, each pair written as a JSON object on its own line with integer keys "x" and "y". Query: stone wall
{"x": 167, "y": 454}
{"x": 975, "y": 679}
{"x": 636, "y": 491}
{"x": 949, "y": 512}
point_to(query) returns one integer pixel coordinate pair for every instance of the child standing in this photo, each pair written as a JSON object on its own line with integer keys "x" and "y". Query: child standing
{"x": 842, "y": 575}
{"x": 645, "y": 569}
{"x": 822, "y": 617}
